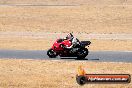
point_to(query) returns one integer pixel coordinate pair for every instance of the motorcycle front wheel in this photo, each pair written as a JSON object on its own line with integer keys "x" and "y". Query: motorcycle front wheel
{"x": 51, "y": 53}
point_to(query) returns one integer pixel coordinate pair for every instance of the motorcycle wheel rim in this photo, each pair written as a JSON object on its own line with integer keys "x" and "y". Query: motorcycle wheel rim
{"x": 82, "y": 53}
{"x": 51, "y": 53}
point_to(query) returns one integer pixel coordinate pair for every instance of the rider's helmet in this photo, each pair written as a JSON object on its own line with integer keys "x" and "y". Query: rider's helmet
{"x": 69, "y": 36}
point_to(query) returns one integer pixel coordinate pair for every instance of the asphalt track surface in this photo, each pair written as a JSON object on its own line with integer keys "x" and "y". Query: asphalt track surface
{"x": 103, "y": 56}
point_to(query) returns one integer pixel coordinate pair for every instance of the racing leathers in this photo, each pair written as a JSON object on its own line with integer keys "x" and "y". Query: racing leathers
{"x": 74, "y": 42}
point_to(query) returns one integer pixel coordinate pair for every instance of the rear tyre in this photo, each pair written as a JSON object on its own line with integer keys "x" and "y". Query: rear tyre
{"x": 82, "y": 53}
{"x": 51, "y": 53}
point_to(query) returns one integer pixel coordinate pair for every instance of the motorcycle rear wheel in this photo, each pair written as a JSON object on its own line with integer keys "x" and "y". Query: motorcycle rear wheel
{"x": 82, "y": 53}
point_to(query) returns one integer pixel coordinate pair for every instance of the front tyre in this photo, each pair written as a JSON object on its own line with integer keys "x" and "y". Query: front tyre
{"x": 51, "y": 53}
{"x": 82, "y": 53}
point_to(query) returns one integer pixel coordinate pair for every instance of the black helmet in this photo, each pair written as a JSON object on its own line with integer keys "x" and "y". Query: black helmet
{"x": 69, "y": 36}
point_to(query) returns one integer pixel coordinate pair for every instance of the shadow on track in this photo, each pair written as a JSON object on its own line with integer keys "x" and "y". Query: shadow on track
{"x": 74, "y": 58}
{"x": 94, "y": 59}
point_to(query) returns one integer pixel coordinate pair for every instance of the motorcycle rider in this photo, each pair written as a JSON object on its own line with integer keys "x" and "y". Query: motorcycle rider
{"x": 74, "y": 42}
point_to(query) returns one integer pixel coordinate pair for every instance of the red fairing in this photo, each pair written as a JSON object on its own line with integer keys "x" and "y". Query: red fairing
{"x": 67, "y": 43}
{"x": 56, "y": 46}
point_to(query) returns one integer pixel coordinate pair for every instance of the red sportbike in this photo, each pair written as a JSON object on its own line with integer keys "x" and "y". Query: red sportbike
{"x": 59, "y": 48}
